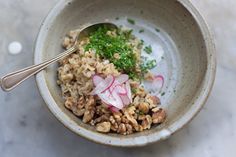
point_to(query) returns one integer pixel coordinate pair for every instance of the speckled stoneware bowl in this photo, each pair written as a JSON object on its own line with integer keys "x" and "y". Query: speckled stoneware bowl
{"x": 189, "y": 60}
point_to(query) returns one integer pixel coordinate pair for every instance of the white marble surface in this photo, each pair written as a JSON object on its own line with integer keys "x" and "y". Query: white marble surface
{"x": 28, "y": 129}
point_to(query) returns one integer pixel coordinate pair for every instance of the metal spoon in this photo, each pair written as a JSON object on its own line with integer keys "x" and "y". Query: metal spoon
{"x": 12, "y": 80}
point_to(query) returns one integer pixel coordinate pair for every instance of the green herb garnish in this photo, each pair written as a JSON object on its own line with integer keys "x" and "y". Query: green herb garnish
{"x": 139, "y": 112}
{"x": 133, "y": 90}
{"x": 140, "y": 44}
{"x": 157, "y": 30}
{"x": 141, "y": 30}
{"x": 142, "y": 41}
{"x": 148, "y": 49}
{"x": 106, "y": 46}
{"x": 162, "y": 94}
{"x": 117, "y": 18}
{"x": 151, "y": 64}
{"x": 131, "y": 21}
{"x": 148, "y": 65}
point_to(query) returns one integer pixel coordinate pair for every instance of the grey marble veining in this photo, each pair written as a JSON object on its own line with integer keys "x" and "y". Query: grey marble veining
{"x": 28, "y": 129}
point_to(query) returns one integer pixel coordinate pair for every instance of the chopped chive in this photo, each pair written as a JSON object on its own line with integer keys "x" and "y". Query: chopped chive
{"x": 157, "y": 30}
{"x": 142, "y": 41}
{"x": 133, "y": 90}
{"x": 140, "y": 113}
{"x": 151, "y": 64}
{"x": 148, "y": 49}
{"x": 145, "y": 58}
{"x": 131, "y": 21}
{"x": 117, "y": 18}
{"x": 106, "y": 46}
{"x": 141, "y": 30}
{"x": 162, "y": 57}
{"x": 141, "y": 44}
{"x": 141, "y": 11}
{"x": 162, "y": 94}
{"x": 148, "y": 65}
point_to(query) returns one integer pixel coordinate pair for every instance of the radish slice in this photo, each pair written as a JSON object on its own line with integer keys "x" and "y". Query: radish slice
{"x": 118, "y": 102}
{"x": 106, "y": 97}
{"x": 120, "y": 90}
{"x": 108, "y": 82}
{"x": 113, "y": 91}
{"x": 125, "y": 99}
{"x": 97, "y": 79}
{"x": 112, "y": 99}
{"x": 156, "y": 85}
{"x": 113, "y": 109}
{"x": 104, "y": 85}
{"x": 114, "y": 85}
{"x": 128, "y": 89}
{"x": 122, "y": 78}
{"x": 160, "y": 80}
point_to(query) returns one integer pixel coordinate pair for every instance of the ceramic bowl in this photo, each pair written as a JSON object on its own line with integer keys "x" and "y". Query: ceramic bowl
{"x": 189, "y": 63}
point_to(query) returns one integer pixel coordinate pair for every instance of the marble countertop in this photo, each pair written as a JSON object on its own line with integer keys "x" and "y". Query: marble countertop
{"x": 28, "y": 129}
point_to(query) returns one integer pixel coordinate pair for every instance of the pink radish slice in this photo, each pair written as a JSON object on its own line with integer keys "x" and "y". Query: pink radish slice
{"x": 125, "y": 99}
{"x": 104, "y": 85}
{"x": 105, "y": 97}
{"x": 112, "y": 99}
{"x": 122, "y": 78}
{"x": 97, "y": 79}
{"x": 118, "y": 101}
{"x": 113, "y": 86}
{"x": 156, "y": 85}
{"x": 160, "y": 80}
{"x": 120, "y": 90}
{"x": 113, "y": 91}
{"x": 109, "y": 81}
{"x": 128, "y": 89}
{"x": 108, "y": 99}
{"x": 113, "y": 109}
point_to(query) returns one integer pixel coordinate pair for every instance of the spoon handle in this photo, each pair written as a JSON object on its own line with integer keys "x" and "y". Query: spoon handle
{"x": 11, "y": 80}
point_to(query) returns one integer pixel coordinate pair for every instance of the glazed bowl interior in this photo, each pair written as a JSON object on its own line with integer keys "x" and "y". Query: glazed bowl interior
{"x": 174, "y": 26}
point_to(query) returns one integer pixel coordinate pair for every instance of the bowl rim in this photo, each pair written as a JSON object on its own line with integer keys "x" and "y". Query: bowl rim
{"x": 140, "y": 140}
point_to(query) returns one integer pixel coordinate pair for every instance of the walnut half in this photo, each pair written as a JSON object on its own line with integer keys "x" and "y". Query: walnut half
{"x": 103, "y": 127}
{"x": 159, "y": 116}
